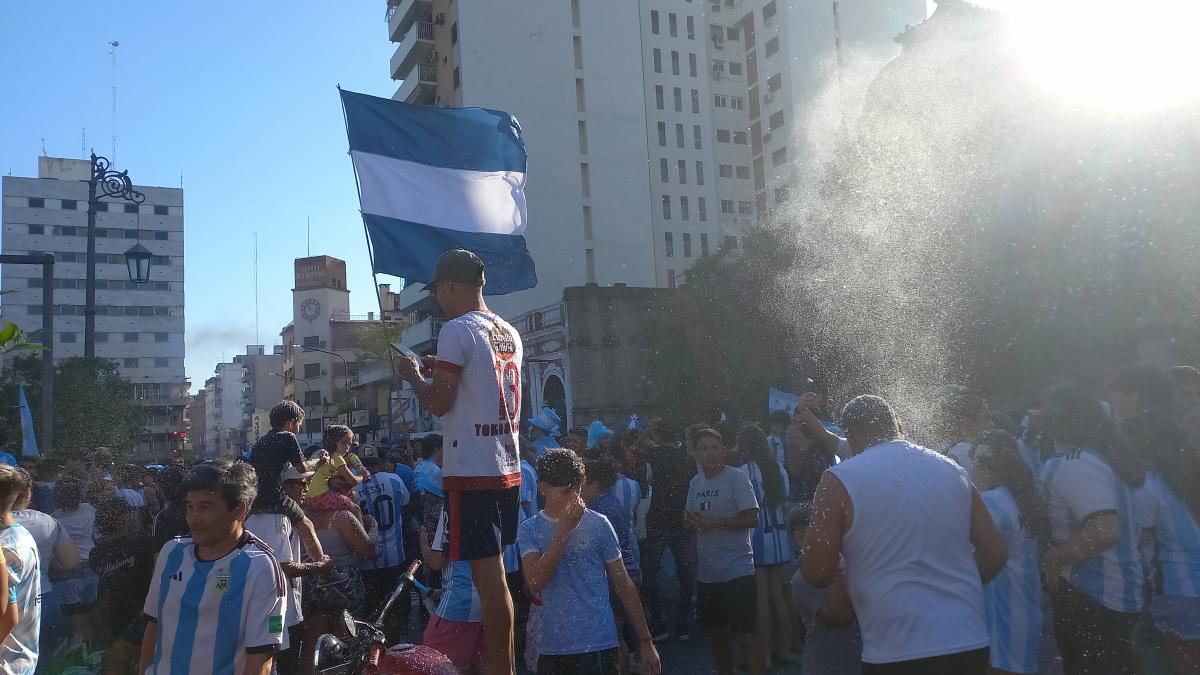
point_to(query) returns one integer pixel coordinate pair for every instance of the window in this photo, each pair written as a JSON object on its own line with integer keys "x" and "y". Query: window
{"x": 161, "y": 235}
{"x": 66, "y": 338}
{"x": 131, "y": 234}
{"x": 589, "y": 256}
{"x": 580, "y": 102}
{"x": 735, "y": 68}
{"x": 312, "y": 370}
{"x": 35, "y": 282}
{"x": 129, "y": 337}
{"x": 701, "y": 209}
{"x": 37, "y": 229}
{"x": 37, "y": 203}
{"x": 585, "y": 180}
{"x": 774, "y": 82}
{"x": 703, "y": 244}
{"x": 102, "y": 206}
{"x": 161, "y": 362}
{"x": 670, "y": 278}
{"x": 691, "y": 28}
{"x": 697, "y": 135}
{"x": 666, "y": 201}
{"x": 575, "y": 13}
{"x": 669, "y": 245}
{"x": 718, "y": 67}
{"x": 454, "y": 33}
{"x": 161, "y": 337}
{"x": 699, "y": 173}
{"x": 772, "y": 46}
{"x": 776, "y": 120}
{"x": 769, "y": 12}
{"x": 743, "y": 172}
{"x": 583, "y": 142}
{"x": 687, "y": 245}
{"x": 679, "y": 135}
{"x": 673, "y": 24}
{"x": 662, "y": 134}
{"x": 739, "y": 137}
{"x": 696, "y": 101}
{"x": 587, "y": 222}
{"x": 312, "y": 398}
{"x": 159, "y": 210}
{"x": 131, "y": 208}
{"x": 130, "y": 363}
{"x": 312, "y": 425}
{"x": 781, "y": 195}
{"x": 654, "y": 21}
{"x": 663, "y": 165}
{"x": 692, "y": 64}
{"x": 458, "y": 79}
{"x": 678, "y": 99}
{"x": 731, "y": 243}
{"x": 725, "y": 170}
{"x": 720, "y": 101}
{"x": 154, "y": 260}
{"x": 577, "y": 44}
{"x": 657, "y": 60}
{"x": 658, "y": 96}
{"x": 745, "y": 208}
{"x": 722, "y": 135}
{"x": 101, "y": 337}
{"x": 675, "y": 63}
{"x": 683, "y": 209}
{"x": 681, "y": 167}
{"x": 779, "y": 156}
{"x": 731, "y": 33}
{"x": 736, "y": 103}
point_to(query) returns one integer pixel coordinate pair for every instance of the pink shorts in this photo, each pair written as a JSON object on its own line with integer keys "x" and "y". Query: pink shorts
{"x": 461, "y": 641}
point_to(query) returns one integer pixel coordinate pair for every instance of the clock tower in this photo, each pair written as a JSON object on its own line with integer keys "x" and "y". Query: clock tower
{"x": 319, "y": 298}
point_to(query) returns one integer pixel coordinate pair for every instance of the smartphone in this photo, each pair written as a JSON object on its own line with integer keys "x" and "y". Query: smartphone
{"x": 405, "y": 351}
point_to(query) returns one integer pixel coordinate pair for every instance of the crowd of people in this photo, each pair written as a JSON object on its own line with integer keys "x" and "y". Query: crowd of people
{"x": 984, "y": 543}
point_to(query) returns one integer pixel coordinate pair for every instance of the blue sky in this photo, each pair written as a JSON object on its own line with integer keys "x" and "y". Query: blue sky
{"x": 239, "y": 98}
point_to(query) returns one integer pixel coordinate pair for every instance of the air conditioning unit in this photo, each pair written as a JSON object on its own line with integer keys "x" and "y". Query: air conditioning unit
{"x": 432, "y": 58}
{"x": 440, "y": 19}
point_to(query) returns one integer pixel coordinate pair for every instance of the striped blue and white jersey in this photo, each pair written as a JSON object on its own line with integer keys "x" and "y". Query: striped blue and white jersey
{"x": 629, "y": 493}
{"x": 1079, "y": 484}
{"x": 383, "y": 496}
{"x": 211, "y": 613}
{"x": 1177, "y": 540}
{"x": 778, "y": 448}
{"x": 528, "y": 493}
{"x": 19, "y": 651}
{"x": 460, "y": 601}
{"x": 771, "y": 541}
{"x": 1013, "y": 600}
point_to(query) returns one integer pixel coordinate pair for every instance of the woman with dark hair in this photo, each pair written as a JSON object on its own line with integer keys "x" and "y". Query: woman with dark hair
{"x": 337, "y": 441}
{"x": 1092, "y": 570}
{"x": 772, "y": 545}
{"x": 1013, "y": 599}
{"x": 1172, "y": 498}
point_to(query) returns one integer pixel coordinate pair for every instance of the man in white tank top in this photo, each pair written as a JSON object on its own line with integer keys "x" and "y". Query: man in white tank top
{"x": 918, "y": 545}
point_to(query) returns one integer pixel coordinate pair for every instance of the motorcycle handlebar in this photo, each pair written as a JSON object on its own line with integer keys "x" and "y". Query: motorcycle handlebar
{"x": 405, "y": 580}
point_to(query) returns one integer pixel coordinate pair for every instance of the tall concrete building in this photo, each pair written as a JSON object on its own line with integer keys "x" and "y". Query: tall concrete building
{"x": 139, "y": 326}
{"x": 226, "y": 422}
{"x": 657, "y": 130}
{"x": 262, "y": 387}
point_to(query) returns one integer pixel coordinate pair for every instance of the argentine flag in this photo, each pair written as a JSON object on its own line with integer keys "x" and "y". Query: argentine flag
{"x": 435, "y": 179}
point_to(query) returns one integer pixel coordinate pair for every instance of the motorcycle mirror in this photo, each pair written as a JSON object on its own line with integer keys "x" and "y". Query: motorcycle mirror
{"x": 348, "y": 622}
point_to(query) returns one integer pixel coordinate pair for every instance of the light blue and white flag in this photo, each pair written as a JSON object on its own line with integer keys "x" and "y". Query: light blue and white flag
{"x": 29, "y": 446}
{"x": 435, "y": 179}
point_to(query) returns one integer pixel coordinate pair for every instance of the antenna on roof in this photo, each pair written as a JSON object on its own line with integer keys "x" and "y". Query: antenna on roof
{"x": 112, "y": 51}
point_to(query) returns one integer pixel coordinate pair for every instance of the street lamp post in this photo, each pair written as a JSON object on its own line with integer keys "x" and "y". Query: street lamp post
{"x": 103, "y": 182}
{"x": 346, "y": 377}
{"x": 308, "y": 387}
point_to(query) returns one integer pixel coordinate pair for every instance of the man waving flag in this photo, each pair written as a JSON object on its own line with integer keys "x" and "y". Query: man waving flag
{"x": 435, "y": 179}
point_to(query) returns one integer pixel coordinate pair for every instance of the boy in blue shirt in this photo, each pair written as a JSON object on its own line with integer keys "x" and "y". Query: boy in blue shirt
{"x": 571, "y": 557}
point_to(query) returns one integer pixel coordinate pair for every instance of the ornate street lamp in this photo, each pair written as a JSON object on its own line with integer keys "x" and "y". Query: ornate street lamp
{"x": 137, "y": 259}
{"x": 104, "y": 182}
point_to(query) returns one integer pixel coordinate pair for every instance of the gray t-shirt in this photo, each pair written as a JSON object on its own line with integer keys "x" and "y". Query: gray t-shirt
{"x": 829, "y": 649}
{"x": 46, "y": 531}
{"x": 722, "y": 554}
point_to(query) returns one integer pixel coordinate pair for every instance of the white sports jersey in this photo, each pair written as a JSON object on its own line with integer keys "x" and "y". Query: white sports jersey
{"x": 281, "y": 537}
{"x": 19, "y": 651}
{"x": 481, "y": 426}
{"x": 770, "y": 539}
{"x": 1014, "y": 598}
{"x": 1177, "y": 541}
{"x": 383, "y": 496}
{"x": 211, "y": 613}
{"x": 47, "y": 533}
{"x": 1078, "y": 484}
{"x": 460, "y": 601}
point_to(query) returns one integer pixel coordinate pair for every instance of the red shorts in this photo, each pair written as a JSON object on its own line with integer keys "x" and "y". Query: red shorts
{"x": 461, "y": 641}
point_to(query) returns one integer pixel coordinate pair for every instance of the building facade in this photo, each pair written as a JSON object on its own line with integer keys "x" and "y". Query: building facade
{"x": 262, "y": 387}
{"x": 139, "y": 326}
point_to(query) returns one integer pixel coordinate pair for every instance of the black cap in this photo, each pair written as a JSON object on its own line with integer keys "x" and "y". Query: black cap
{"x": 460, "y": 266}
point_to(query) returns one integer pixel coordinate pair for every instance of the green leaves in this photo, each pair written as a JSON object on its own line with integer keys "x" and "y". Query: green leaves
{"x": 13, "y": 339}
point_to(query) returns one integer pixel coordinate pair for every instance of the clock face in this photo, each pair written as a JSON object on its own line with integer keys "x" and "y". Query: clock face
{"x": 310, "y": 309}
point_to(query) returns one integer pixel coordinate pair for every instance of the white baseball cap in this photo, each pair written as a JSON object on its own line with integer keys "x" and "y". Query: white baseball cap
{"x": 290, "y": 473}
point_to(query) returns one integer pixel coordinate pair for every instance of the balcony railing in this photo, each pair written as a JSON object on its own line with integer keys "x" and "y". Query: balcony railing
{"x": 416, "y": 47}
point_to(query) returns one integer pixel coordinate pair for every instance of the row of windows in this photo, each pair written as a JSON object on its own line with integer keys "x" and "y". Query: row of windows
{"x": 130, "y": 337}
{"x": 659, "y": 99}
{"x": 684, "y": 210}
{"x": 104, "y": 310}
{"x": 743, "y": 208}
{"x": 693, "y": 68}
{"x": 719, "y": 67}
{"x": 697, "y": 136}
{"x": 681, "y": 167}
{"x": 723, "y": 101}
{"x": 104, "y": 232}
{"x": 719, "y": 34}
{"x": 102, "y": 284}
{"x": 79, "y": 205}
{"x": 687, "y": 245}
{"x": 101, "y": 258}
{"x": 726, "y": 136}
{"x": 728, "y": 171}
{"x": 673, "y": 24}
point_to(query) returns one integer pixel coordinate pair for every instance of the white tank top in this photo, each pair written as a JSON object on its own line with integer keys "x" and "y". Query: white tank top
{"x": 910, "y": 565}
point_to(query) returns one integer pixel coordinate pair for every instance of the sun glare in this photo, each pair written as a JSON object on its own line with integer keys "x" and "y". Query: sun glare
{"x": 1129, "y": 55}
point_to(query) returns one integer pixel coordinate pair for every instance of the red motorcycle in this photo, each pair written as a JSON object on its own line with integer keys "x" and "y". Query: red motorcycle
{"x": 365, "y": 651}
